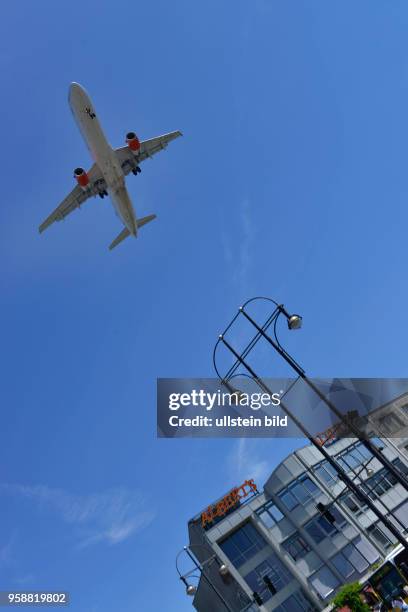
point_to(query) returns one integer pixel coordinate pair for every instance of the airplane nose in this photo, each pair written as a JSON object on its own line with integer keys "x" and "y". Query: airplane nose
{"x": 75, "y": 91}
{"x": 74, "y": 87}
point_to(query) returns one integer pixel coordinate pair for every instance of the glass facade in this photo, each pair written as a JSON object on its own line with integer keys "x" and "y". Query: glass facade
{"x": 242, "y": 544}
{"x": 401, "y": 466}
{"x": 324, "y": 581}
{"x": 355, "y": 505}
{"x": 299, "y": 492}
{"x": 292, "y": 555}
{"x": 354, "y": 457}
{"x": 355, "y": 558}
{"x": 326, "y": 473}
{"x": 297, "y": 602}
{"x": 319, "y": 527}
{"x": 375, "y": 486}
{"x": 380, "y": 483}
{"x": 269, "y": 514}
{"x": 296, "y": 546}
{"x": 343, "y": 565}
{"x": 382, "y": 536}
{"x": 275, "y": 573}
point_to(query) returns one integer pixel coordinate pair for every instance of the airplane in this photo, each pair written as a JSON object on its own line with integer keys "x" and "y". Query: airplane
{"x": 107, "y": 175}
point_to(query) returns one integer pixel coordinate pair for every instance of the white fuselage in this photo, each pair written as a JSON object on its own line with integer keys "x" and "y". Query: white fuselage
{"x": 103, "y": 155}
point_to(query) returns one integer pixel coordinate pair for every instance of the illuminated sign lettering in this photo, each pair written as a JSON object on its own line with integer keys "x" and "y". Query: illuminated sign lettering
{"x": 228, "y": 502}
{"x": 327, "y": 436}
{"x": 338, "y": 430}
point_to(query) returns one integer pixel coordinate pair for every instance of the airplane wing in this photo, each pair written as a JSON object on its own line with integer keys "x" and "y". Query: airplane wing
{"x": 148, "y": 148}
{"x": 77, "y": 197}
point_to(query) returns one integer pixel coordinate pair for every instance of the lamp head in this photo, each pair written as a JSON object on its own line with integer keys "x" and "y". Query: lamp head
{"x": 294, "y": 321}
{"x": 191, "y": 590}
{"x": 224, "y": 571}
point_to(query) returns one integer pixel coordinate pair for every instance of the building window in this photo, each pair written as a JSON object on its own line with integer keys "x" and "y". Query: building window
{"x": 404, "y": 409}
{"x": 401, "y": 466}
{"x": 356, "y": 558}
{"x": 380, "y": 483}
{"x": 353, "y": 503}
{"x": 320, "y": 527}
{"x": 269, "y": 514}
{"x": 327, "y": 474}
{"x": 324, "y": 582}
{"x": 354, "y": 457}
{"x": 366, "y": 549}
{"x": 242, "y": 544}
{"x": 296, "y": 547}
{"x": 390, "y": 424}
{"x": 402, "y": 514}
{"x": 289, "y": 500}
{"x": 315, "y": 532}
{"x": 268, "y": 577}
{"x": 375, "y": 486}
{"x": 382, "y": 536}
{"x": 343, "y": 565}
{"x": 297, "y": 602}
{"x": 299, "y": 492}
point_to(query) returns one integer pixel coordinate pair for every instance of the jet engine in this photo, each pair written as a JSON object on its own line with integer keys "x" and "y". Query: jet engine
{"x": 82, "y": 177}
{"x": 133, "y": 142}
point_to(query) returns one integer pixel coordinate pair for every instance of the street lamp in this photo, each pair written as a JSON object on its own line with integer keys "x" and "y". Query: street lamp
{"x": 274, "y": 342}
{"x": 223, "y": 570}
{"x": 294, "y": 322}
{"x": 191, "y": 590}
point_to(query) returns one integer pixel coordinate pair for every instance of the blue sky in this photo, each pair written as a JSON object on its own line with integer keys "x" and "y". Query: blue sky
{"x": 290, "y": 181}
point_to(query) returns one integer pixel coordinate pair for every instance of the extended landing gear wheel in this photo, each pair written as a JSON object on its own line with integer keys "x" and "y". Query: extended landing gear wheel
{"x": 138, "y": 169}
{"x": 101, "y": 195}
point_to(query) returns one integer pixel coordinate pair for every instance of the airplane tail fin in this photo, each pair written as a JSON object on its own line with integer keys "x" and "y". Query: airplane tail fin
{"x": 125, "y": 232}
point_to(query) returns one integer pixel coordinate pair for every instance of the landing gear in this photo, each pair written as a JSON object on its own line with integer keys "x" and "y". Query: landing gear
{"x": 102, "y": 194}
{"x": 136, "y": 170}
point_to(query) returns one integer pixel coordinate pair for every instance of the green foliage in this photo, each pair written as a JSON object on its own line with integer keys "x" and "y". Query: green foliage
{"x": 350, "y": 596}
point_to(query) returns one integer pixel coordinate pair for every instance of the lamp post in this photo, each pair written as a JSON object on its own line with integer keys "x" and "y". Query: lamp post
{"x": 369, "y": 472}
{"x": 223, "y": 571}
{"x": 294, "y": 322}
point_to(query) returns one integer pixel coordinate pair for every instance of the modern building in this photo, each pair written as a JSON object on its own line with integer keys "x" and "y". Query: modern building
{"x": 274, "y": 550}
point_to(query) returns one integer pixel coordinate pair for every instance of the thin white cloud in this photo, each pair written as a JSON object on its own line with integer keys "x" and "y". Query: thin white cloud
{"x": 25, "y": 579}
{"x": 246, "y": 244}
{"x": 6, "y": 553}
{"x": 244, "y": 461}
{"x": 237, "y": 248}
{"x": 110, "y": 517}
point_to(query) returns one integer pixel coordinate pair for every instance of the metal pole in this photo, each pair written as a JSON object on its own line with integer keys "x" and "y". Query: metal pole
{"x": 389, "y": 512}
{"x": 301, "y": 373}
{"x": 340, "y": 471}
